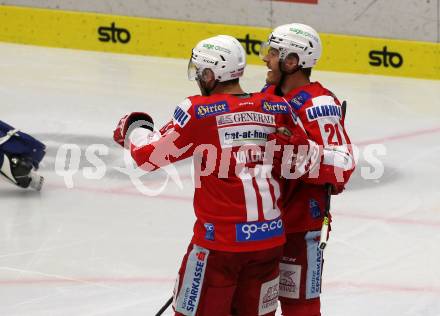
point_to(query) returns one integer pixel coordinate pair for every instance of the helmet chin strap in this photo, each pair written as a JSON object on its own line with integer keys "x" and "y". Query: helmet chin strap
{"x": 284, "y": 73}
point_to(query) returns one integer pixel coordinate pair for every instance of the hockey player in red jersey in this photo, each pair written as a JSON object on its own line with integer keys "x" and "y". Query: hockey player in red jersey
{"x": 290, "y": 53}
{"x": 232, "y": 263}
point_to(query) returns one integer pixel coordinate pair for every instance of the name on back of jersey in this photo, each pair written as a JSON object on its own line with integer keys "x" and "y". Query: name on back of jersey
{"x": 253, "y": 155}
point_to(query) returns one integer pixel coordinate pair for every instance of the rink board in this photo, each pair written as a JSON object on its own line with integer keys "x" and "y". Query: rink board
{"x": 169, "y": 38}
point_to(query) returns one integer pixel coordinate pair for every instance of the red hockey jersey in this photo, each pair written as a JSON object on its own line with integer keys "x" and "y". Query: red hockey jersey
{"x": 236, "y": 200}
{"x": 321, "y": 115}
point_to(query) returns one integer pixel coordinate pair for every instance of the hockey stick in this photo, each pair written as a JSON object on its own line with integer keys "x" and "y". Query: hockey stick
{"x": 328, "y": 188}
{"x": 344, "y": 109}
{"x": 325, "y": 221}
{"x": 163, "y": 309}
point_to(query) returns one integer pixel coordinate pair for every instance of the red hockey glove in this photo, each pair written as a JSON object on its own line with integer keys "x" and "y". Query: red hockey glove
{"x": 141, "y": 119}
{"x": 283, "y": 137}
{"x": 299, "y": 138}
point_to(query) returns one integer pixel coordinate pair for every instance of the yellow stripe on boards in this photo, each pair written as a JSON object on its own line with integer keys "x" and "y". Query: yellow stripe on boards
{"x": 169, "y": 38}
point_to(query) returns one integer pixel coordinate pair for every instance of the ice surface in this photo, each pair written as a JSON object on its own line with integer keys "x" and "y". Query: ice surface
{"x": 103, "y": 248}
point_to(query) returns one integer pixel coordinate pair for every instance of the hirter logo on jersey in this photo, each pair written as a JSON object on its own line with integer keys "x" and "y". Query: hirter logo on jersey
{"x": 275, "y": 107}
{"x": 299, "y": 100}
{"x": 319, "y": 111}
{"x": 207, "y": 110}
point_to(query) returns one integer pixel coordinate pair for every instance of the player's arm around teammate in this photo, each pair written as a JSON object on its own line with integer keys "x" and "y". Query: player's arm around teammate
{"x": 232, "y": 263}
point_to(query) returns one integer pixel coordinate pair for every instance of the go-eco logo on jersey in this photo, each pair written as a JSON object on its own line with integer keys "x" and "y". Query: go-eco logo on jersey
{"x": 113, "y": 34}
{"x": 259, "y": 230}
{"x": 385, "y": 58}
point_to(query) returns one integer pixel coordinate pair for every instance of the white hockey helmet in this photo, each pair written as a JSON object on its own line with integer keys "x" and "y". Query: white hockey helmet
{"x": 223, "y": 54}
{"x": 295, "y": 38}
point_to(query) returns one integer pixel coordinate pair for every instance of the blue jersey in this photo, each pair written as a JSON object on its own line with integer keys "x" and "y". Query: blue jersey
{"x": 16, "y": 143}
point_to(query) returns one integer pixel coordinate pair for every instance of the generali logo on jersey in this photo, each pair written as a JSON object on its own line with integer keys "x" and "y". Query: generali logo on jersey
{"x": 246, "y": 117}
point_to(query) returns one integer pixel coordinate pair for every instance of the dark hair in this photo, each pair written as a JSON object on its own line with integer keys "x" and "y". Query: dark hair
{"x": 232, "y": 81}
{"x": 306, "y": 72}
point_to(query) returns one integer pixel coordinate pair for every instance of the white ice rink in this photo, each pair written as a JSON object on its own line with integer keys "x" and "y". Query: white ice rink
{"x": 103, "y": 248}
